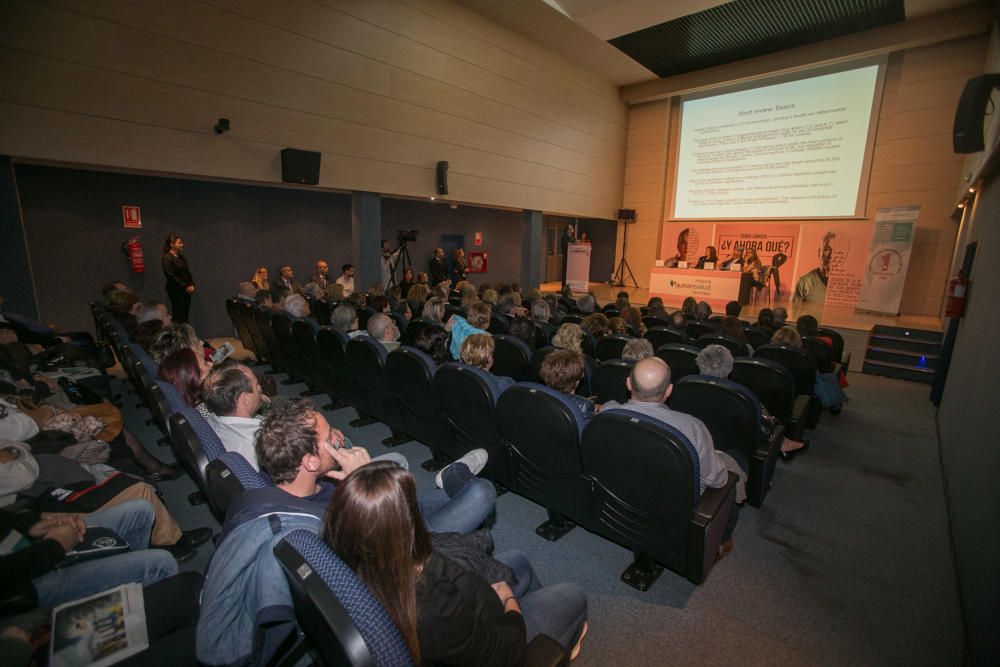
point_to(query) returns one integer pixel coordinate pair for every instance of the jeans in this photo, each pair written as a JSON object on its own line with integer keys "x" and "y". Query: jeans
{"x": 462, "y": 506}
{"x": 132, "y": 521}
{"x": 558, "y": 611}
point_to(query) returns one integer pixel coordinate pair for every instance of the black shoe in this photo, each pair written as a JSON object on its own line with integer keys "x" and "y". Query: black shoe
{"x": 184, "y": 549}
{"x": 163, "y": 473}
{"x": 788, "y": 456}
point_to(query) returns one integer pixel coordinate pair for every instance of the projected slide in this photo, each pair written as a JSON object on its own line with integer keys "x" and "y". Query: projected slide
{"x": 788, "y": 150}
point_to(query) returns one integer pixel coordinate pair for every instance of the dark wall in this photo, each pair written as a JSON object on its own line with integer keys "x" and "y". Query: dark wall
{"x": 73, "y": 225}
{"x": 501, "y": 234}
{"x": 15, "y": 271}
{"x": 603, "y": 236}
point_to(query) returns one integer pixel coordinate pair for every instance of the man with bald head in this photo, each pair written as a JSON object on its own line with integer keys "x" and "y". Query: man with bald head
{"x": 649, "y": 385}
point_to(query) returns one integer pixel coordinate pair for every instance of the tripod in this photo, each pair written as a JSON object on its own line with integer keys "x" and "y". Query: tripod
{"x": 402, "y": 257}
{"x": 618, "y": 280}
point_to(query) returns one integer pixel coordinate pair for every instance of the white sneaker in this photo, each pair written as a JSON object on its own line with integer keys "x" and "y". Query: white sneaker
{"x": 475, "y": 460}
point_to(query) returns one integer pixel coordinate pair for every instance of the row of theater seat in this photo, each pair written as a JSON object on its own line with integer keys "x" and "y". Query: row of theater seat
{"x": 341, "y": 620}
{"x": 454, "y": 408}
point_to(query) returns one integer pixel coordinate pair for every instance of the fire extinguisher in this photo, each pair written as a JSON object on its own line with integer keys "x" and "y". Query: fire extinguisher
{"x": 133, "y": 248}
{"x": 957, "y": 288}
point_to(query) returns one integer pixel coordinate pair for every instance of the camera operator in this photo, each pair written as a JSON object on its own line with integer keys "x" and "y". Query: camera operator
{"x": 389, "y": 259}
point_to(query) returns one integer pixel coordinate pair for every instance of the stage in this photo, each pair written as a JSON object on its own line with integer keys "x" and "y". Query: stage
{"x": 853, "y": 326}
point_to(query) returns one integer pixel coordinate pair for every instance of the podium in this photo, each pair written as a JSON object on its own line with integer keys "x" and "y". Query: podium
{"x": 578, "y": 266}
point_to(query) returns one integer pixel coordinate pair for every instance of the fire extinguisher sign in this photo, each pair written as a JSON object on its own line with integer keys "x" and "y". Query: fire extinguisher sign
{"x": 131, "y": 217}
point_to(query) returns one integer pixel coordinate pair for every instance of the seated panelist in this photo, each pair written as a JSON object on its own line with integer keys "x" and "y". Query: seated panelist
{"x": 711, "y": 256}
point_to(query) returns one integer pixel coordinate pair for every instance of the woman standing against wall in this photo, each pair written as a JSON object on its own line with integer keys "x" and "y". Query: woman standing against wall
{"x": 458, "y": 267}
{"x": 180, "y": 284}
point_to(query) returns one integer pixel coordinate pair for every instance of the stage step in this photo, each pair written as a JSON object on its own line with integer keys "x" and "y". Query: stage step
{"x": 908, "y": 354}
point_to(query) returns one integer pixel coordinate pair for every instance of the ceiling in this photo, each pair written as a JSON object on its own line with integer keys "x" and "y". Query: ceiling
{"x": 629, "y": 41}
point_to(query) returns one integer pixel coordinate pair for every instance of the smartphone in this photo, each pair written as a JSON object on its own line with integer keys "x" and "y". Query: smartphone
{"x": 222, "y": 352}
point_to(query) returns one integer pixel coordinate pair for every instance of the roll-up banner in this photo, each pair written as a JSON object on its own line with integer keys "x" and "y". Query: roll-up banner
{"x": 888, "y": 259}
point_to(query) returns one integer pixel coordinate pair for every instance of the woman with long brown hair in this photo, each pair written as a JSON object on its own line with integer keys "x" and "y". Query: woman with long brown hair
{"x": 446, "y": 614}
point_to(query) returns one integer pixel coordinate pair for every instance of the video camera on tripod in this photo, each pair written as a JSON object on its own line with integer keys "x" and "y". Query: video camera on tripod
{"x": 404, "y": 237}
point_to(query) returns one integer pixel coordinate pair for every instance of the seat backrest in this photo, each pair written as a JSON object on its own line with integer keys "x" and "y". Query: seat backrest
{"x": 147, "y": 361}
{"x": 401, "y": 322}
{"x": 364, "y": 313}
{"x": 511, "y": 357}
{"x": 414, "y": 328}
{"x": 757, "y": 337}
{"x": 736, "y": 347}
{"x": 499, "y": 324}
{"x": 660, "y": 336}
{"x": 173, "y": 397}
{"x": 681, "y": 359}
{"x": 611, "y": 346}
{"x": 697, "y": 329}
{"x": 838, "y": 342}
{"x": 195, "y": 443}
{"x": 411, "y": 378}
{"x": 588, "y": 344}
{"x": 821, "y": 352}
{"x": 543, "y": 334}
{"x": 321, "y": 310}
{"x": 608, "y": 381}
{"x": 228, "y": 477}
{"x": 652, "y": 321}
{"x": 366, "y": 364}
{"x": 799, "y": 363}
{"x": 536, "y": 361}
{"x": 343, "y": 622}
{"x": 542, "y": 425}
{"x": 729, "y": 410}
{"x": 770, "y": 382}
{"x": 468, "y": 400}
{"x": 572, "y": 318}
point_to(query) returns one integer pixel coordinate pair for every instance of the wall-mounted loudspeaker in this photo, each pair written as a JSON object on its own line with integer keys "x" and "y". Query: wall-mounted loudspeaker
{"x": 442, "y": 177}
{"x": 967, "y": 136}
{"x": 626, "y": 214}
{"x": 300, "y": 166}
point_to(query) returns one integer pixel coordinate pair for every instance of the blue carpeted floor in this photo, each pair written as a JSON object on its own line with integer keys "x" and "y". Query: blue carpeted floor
{"x": 847, "y": 563}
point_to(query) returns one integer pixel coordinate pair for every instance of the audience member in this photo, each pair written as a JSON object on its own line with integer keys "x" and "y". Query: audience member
{"x": 616, "y": 325}
{"x": 345, "y": 318}
{"x": 322, "y": 275}
{"x": 787, "y": 335}
{"x": 234, "y": 398}
{"x": 278, "y": 295}
{"x": 260, "y": 279}
{"x": 650, "y": 387}
{"x": 423, "y": 279}
{"x": 733, "y": 308}
{"x": 177, "y": 336}
{"x": 569, "y": 336}
{"x": 149, "y": 311}
{"x": 540, "y": 311}
{"x": 434, "y": 309}
{"x": 407, "y": 281}
{"x": 688, "y": 307}
{"x": 563, "y": 370}
{"x": 621, "y": 302}
{"x": 346, "y": 279}
{"x": 524, "y": 329}
{"x": 765, "y": 321}
{"x": 732, "y": 327}
{"x": 122, "y": 306}
{"x": 633, "y": 318}
{"x": 334, "y": 292}
{"x": 246, "y": 292}
{"x": 780, "y": 316}
{"x": 596, "y": 324}
{"x": 490, "y": 297}
{"x": 185, "y": 369}
{"x": 477, "y": 350}
{"x": 383, "y": 328}
{"x": 286, "y": 279}
{"x": 586, "y": 304}
{"x": 446, "y": 614}
{"x": 312, "y": 291}
{"x": 477, "y": 320}
{"x": 296, "y": 306}
{"x": 637, "y": 349}
{"x": 702, "y": 312}
{"x": 433, "y": 340}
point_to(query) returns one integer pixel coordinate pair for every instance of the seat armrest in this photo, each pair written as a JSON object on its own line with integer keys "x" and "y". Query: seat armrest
{"x": 771, "y": 446}
{"x": 713, "y": 501}
{"x": 543, "y": 651}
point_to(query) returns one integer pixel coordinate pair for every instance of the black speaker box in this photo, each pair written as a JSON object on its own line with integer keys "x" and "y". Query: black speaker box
{"x": 626, "y": 214}
{"x": 300, "y": 166}
{"x": 967, "y": 136}
{"x": 442, "y": 177}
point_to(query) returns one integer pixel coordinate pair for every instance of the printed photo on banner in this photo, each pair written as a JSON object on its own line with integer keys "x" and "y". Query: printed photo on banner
{"x": 763, "y": 249}
{"x": 685, "y": 243}
{"x": 831, "y": 264}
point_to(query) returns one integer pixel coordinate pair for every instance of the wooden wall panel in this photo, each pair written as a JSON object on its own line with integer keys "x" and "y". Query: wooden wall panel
{"x": 383, "y": 88}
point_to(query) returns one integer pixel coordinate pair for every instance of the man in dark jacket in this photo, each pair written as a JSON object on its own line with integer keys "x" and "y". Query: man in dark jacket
{"x": 438, "y": 267}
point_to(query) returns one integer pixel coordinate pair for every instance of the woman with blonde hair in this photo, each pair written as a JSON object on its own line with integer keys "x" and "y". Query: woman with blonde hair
{"x": 260, "y": 280}
{"x": 490, "y": 297}
{"x": 569, "y": 337}
{"x": 458, "y": 267}
{"x": 334, "y": 292}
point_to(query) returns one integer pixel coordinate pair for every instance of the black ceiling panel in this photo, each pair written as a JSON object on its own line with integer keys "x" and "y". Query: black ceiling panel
{"x": 747, "y": 28}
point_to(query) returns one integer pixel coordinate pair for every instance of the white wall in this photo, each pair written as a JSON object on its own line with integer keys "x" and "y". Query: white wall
{"x": 383, "y": 88}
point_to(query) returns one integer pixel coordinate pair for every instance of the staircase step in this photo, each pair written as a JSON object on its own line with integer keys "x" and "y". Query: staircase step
{"x": 904, "y": 344}
{"x": 908, "y": 334}
{"x": 906, "y": 358}
{"x": 900, "y": 371}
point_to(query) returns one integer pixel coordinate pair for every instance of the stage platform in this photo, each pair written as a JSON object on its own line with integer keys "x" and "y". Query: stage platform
{"x": 853, "y": 326}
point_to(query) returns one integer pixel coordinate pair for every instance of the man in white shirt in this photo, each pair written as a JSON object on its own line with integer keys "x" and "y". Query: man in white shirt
{"x": 650, "y": 386}
{"x": 347, "y": 279}
{"x": 233, "y": 395}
